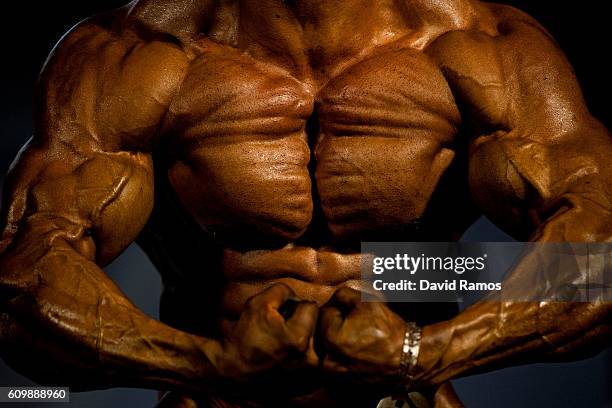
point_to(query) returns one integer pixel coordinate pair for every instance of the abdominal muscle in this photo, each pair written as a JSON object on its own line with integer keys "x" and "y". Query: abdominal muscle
{"x": 313, "y": 274}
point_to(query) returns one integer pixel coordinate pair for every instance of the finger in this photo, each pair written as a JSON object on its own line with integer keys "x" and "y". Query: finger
{"x": 274, "y": 296}
{"x": 333, "y": 367}
{"x": 345, "y": 299}
{"x": 330, "y": 321}
{"x": 303, "y": 322}
{"x": 311, "y": 357}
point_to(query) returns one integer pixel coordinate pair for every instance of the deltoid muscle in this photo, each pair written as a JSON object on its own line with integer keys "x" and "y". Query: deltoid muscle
{"x": 251, "y": 146}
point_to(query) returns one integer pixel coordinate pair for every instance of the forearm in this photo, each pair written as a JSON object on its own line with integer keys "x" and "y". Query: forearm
{"x": 492, "y": 335}
{"x": 519, "y": 328}
{"x": 75, "y": 327}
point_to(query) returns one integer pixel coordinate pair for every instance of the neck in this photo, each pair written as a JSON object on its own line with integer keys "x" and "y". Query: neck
{"x": 351, "y": 15}
{"x": 319, "y": 12}
{"x": 315, "y": 32}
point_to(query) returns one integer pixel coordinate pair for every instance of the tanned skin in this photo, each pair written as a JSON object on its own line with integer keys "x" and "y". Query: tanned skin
{"x": 282, "y": 134}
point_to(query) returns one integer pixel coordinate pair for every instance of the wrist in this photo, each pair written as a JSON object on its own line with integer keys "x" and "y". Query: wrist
{"x": 434, "y": 339}
{"x": 410, "y": 351}
{"x": 226, "y": 362}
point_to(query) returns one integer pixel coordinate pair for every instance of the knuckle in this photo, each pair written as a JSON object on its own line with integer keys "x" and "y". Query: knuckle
{"x": 344, "y": 291}
{"x": 281, "y": 285}
{"x": 250, "y": 304}
{"x": 283, "y": 288}
{"x": 331, "y": 337}
{"x": 300, "y": 343}
{"x": 311, "y": 309}
{"x": 324, "y": 323}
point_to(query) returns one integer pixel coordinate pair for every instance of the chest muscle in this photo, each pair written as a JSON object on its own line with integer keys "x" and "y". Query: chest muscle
{"x": 246, "y": 161}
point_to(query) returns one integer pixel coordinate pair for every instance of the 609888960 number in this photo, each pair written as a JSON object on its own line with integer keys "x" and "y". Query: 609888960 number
{"x": 33, "y": 394}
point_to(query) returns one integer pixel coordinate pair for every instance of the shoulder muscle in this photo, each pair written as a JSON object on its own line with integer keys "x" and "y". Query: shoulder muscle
{"x": 517, "y": 77}
{"x": 106, "y": 88}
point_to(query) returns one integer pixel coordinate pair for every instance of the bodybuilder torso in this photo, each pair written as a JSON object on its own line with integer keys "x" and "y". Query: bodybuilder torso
{"x": 253, "y": 143}
{"x": 287, "y": 163}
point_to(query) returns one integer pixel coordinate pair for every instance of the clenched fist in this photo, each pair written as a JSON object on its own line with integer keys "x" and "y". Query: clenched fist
{"x": 274, "y": 333}
{"x": 363, "y": 339}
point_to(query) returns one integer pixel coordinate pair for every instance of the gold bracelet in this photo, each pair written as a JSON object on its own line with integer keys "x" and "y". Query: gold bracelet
{"x": 410, "y": 351}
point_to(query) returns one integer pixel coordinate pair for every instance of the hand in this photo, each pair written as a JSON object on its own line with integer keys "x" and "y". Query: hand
{"x": 363, "y": 339}
{"x": 275, "y": 331}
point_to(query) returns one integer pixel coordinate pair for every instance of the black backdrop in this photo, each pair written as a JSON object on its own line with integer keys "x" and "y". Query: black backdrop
{"x": 29, "y": 31}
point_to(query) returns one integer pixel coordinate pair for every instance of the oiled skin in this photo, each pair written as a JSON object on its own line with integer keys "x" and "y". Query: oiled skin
{"x": 285, "y": 134}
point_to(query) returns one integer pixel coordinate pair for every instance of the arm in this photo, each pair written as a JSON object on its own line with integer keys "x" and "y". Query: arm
{"x": 539, "y": 167}
{"x": 78, "y": 194}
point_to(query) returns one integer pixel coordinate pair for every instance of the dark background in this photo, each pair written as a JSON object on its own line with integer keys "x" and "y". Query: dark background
{"x": 29, "y": 31}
